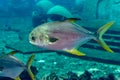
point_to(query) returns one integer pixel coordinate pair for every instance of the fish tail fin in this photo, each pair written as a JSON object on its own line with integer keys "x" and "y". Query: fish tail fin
{"x": 100, "y": 33}
{"x": 28, "y": 67}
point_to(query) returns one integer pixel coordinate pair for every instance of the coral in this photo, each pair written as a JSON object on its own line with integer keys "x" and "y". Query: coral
{"x": 51, "y": 76}
{"x": 70, "y": 76}
{"x": 73, "y": 76}
{"x": 85, "y": 76}
{"x": 109, "y": 77}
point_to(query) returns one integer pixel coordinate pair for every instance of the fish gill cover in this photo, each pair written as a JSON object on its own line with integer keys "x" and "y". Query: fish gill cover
{"x": 19, "y": 17}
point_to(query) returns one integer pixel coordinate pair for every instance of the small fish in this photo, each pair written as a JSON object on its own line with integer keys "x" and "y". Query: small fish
{"x": 66, "y": 36}
{"x": 12, "y": 67}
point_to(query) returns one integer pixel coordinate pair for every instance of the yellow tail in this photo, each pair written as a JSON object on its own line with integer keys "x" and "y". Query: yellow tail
{"x": 100, "y": 33}
{"x": 28, "y": 67}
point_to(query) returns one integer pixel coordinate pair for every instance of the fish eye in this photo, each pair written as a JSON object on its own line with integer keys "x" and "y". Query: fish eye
{"x": 33, "y": 38}
{"x": 52, "y": 39}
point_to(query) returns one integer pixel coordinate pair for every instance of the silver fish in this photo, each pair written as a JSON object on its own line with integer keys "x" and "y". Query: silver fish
{"x": 66, "y": 36}
{"x": 12, "y": 67}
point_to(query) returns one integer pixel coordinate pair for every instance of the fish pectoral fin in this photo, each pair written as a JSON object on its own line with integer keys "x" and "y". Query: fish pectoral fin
{"x": 28, "y": 67}
{"x": 75, "y": 52}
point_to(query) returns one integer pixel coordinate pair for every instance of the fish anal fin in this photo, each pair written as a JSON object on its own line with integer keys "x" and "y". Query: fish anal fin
{"x": 17, "y": 78}
{"x": 75, "y": 52}
{"x": 28, "y": 67}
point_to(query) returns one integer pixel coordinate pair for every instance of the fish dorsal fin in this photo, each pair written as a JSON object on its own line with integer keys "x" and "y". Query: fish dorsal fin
{"x": 75, "y": 52}
{"x": 76, "y": 26}
{"x": 81, "y": 29}
{"x": 7, "y": 54}
{"x": 72, "y": 19}
{"x": 28, "y": 67}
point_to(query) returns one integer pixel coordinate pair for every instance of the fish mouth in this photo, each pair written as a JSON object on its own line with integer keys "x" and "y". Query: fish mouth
{"x": 32, "y": 42}
{"x": 37, "y": 44}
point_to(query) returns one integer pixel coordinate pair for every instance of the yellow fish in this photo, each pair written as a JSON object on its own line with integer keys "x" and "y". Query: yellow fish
{"x": 66, "y": 36}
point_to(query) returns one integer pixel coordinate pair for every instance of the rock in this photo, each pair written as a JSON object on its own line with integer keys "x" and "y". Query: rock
{"x": 72, "y": 76}
{"x": 60, "y": 10}
{"x": 85, "y": 76}
{"x": 45, "y": 5}
{"x": 51, "y": 76}
{"x": 108, "y": 77}
{"x": 96, "y": 72}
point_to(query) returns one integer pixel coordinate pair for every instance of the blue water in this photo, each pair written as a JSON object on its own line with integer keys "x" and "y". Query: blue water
{"x": 19, "y": 17}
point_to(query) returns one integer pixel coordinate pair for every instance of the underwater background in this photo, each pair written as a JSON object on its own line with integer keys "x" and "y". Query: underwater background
{"x": 19, "y": 17}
